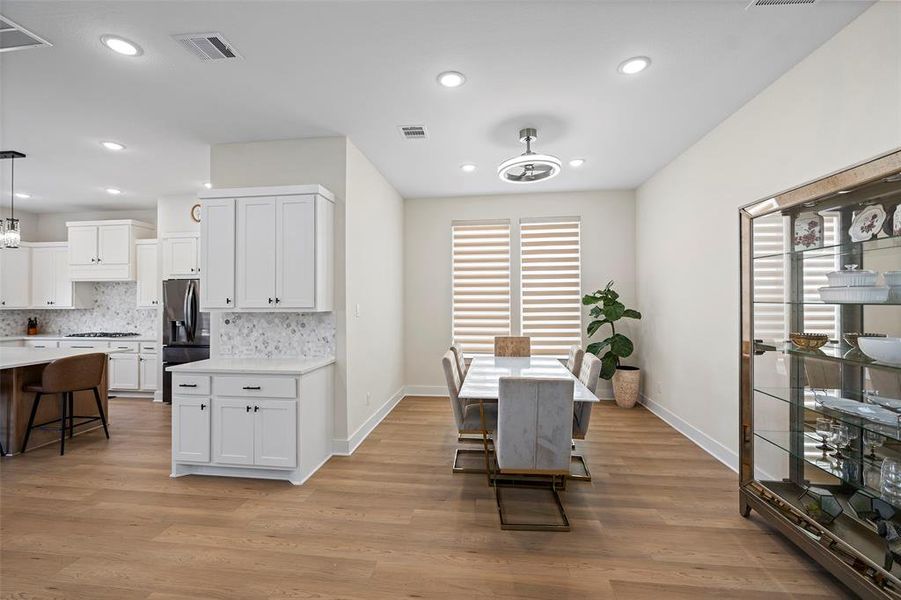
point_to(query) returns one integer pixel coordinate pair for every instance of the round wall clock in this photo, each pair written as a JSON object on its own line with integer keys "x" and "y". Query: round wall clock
{"x": 195, "y": 213}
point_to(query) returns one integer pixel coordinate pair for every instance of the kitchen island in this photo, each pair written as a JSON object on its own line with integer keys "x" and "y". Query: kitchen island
{"x": 252, "y": 417}
{"x": 22, "y": 366}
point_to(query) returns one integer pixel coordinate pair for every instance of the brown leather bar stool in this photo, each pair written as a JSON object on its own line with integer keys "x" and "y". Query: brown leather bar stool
{"x": 65, "y": 376}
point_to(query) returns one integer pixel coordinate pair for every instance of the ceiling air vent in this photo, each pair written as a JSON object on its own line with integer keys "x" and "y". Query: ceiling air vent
{"x": 757, "y": 3}
{"x": 413, "y": 132}
{"x": 14, "y": 37}
{"x": 207, "y": 46}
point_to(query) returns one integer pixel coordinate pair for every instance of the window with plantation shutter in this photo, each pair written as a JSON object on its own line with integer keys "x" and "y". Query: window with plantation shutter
{"x": 550, "y": 276}
{"x": 481, "y": 284}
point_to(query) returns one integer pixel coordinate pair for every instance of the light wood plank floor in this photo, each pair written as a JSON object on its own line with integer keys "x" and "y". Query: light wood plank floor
{"x": 660, "y": 520}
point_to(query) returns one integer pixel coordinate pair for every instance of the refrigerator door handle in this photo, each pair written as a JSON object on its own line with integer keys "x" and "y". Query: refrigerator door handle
{"x": 190, "y": 312}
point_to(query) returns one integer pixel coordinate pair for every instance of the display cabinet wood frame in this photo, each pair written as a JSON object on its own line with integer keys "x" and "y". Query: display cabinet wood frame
{"x": 845, "y": 551}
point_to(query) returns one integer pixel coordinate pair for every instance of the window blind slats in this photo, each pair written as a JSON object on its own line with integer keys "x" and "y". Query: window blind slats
{"x": 551, "y": 285}
{"x": 481, "y": 285}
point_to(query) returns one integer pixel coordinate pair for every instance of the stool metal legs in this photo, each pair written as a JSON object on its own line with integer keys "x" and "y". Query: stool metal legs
{"x": 67, "y": 418}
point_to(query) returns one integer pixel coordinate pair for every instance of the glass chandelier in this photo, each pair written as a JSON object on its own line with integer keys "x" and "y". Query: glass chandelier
{"x": 10, "y": 234}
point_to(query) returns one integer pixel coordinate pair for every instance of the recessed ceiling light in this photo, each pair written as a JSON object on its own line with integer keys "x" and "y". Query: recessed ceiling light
{"x": 844, "y": 191}
{"x": 208, "y": 185}
{"x": 634, "y": 65}
{"x": 113, "y": 191}
{"x": 116, "y": 146}
{"x": 577, "y": 162}
{"x": 23, "y": 195}
{"x": 121, "y": 45}
{"x": 467, "y": 168}
{"x": 451, "y": 79}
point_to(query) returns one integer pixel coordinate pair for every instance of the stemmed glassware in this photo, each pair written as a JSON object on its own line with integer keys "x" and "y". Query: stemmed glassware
{"x": 840, "y": 436}
{"x": 824, "y": 430}
{"x": 873, "y": 440}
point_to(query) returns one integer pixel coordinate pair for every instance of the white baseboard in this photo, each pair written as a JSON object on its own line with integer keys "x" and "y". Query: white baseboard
{"x": 426, "y": 390}
{"x": 342, "y": 447}
{"x": 705, "y": 442}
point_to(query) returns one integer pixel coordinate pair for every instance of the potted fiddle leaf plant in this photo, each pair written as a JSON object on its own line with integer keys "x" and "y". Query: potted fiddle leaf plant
{"x": 606, "y": 309}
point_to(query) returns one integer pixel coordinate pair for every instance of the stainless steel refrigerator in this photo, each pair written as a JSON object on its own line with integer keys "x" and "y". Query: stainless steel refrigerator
{"x": 186, "y": 330}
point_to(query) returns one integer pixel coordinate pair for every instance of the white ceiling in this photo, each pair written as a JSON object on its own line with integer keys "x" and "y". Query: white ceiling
{"x": 360, "y": 69}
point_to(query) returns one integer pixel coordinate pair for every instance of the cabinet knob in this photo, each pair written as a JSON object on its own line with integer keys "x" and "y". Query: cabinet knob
{"x": 202, "y": 406}
{"x": 246, "y": 409}
{"x": 277, "y": 300}
{"x": 270, "y": 300}
{"x": 228, "y": 300}
{"x": 93, "y": 260}
{"x": 98, "y": 260}
{"x": 256, "y": 408}
{"x": 192, "y": 269}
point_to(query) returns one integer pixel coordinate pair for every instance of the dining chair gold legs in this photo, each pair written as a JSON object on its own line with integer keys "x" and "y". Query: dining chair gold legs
{"x": 556, "y": 483}
{"x": 457, "y": 468}
{"x": 578, "y": 459}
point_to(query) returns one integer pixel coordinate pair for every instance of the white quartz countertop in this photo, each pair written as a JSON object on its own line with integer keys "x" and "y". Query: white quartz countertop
{"x": 259, "y": 366}
{"x": 60, "y": 337}
{"x": 11, "y": 358}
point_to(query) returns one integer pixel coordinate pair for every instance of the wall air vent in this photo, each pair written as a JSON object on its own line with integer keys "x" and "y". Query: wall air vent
{"x": 413, "y": 132}
{"x": 760, "y": 3}
{"x": 207, "y": 46}
{"x": 15, "y": 37}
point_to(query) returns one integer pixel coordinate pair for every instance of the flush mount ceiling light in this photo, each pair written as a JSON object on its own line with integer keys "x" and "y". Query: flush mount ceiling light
{"x": 634, "y": 65}
{"x": 114, "y": 146}
{"x": 577, "y": 162}
{"x": 120, "y": 45}
{"x": 467, "y": 168}
{"x": 113, "y": 191}
{"x": 451, "y": 79}
{"x": 529, "y": 167}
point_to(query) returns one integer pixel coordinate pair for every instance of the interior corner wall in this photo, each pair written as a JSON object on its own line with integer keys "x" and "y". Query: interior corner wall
{"x": 837, "y": 107}
{"x": 374, "y": 289}
{"x": 608, "y": 245}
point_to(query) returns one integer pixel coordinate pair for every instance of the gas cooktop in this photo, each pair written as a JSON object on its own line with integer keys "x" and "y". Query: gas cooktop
{"x": 98, "y": 334}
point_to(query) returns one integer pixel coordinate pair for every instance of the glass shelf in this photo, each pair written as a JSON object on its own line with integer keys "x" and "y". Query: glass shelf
{"x": 821, "y": 303}
{"x": 833, "y": 352}
{"x": 785, "y": 394}
{"x": 877, "y": 244}
{"x": 851, "y": 470}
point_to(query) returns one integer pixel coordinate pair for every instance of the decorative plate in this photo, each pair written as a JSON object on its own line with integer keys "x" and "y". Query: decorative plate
{"x": 896, "y": 228}
{"x": 195, "y": 213}
{"x": 808, "y": 231}
{"x": 867, "y": 223}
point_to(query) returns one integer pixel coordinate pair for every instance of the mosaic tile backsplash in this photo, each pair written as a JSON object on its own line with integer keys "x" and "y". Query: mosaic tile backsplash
{"x": 114, "y": 310}
{"x": 269, "y": 335}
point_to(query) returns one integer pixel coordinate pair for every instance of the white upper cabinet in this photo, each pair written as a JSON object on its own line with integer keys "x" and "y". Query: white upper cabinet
{"x": 217, "y": 253}
{"x": 181, "y": 256}
{"x": 282, "y": 239}
{"x": 51, "y": 284}
{"x": 147, "y": 273}
{"x": 104, "y": 250}
{"x": 15, "y": 277}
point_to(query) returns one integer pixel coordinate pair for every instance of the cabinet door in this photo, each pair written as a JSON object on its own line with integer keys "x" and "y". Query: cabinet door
{"x": 123, "y": 372}
{"x": 83, "y": 245}
{"x": 233, "y": 431}
{"x": 275, "y": 433}
{"x": 190, "y": 429}
{"x": 256, "y": 253}
{"x": 147, "y": 275}
{"x": 114, "y": 244}
{"x": 62, "y": 281}
{"x": 15, "y": 280}
{"x": 217, "y": 253}
{"x": 296, "y": 251}
{"x": 43, "y": 277}
{"x": 180, "y": 257}
{"x": 148, "y": 372}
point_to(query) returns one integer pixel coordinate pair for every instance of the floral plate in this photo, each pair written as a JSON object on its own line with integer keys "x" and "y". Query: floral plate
{"x": 867, "y": 223}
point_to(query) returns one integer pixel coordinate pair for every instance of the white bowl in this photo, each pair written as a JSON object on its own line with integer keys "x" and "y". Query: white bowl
{"x": 854, "y": 295}
{"x": 887, "y": 349}
{"x": 851, "y": 276}
{"x": 892, "y": 278}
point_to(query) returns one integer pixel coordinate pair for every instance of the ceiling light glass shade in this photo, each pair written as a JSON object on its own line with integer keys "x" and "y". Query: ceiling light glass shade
{"x": 121, "y": 45}
{"x": 529, "y": 167}
{"x": 11, "y": 234}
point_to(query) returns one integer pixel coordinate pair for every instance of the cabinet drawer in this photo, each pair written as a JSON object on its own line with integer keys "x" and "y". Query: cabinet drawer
{"x": 42, "y": 344}
{"x": 125, "y": 346}
{"x": 255, "y": 386}
{"x": 191, "y": 384}
{"x": 148, "y": 348}
{"x": 83, "y": 345}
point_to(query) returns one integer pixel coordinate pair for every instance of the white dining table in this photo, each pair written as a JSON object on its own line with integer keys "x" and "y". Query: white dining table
{"x": 483, "y": 377}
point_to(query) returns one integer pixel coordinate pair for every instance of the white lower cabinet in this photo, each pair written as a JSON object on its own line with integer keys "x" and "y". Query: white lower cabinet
{"x": 124, "y": 373}
{"x": 148, "y": 372}
{"x": 260, "y": 425}
{"x": 191, "y": 429}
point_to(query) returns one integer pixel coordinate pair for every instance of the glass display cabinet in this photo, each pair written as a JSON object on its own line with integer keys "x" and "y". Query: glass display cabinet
{"x": 820, "y": 373}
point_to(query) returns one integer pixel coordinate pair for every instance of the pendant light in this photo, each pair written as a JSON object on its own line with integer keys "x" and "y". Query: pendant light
{"x": 12, "y": 235}
{"x": 529, "y": 167}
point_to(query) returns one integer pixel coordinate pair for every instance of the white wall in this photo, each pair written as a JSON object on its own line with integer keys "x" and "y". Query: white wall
{"x": 173, "y": 215}
{"x": 840, "y": 105}
{"x": 608, "y": 244}
{"x": 375, "y": 282}
{"x": 51, "y": 227}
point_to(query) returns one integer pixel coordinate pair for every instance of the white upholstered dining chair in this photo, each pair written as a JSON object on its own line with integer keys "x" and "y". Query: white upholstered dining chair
{"x": 589, "y": 374}
{"x": 574, "y": 362}
{"x": 470, "y": 418}
{"x": 533, "y": 440}
{"x": 457, "y": 349}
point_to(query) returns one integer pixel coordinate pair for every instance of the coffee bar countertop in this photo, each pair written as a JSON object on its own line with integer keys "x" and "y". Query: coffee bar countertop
{"x": 58, "y": 337}
{"x": 257, "y": 366}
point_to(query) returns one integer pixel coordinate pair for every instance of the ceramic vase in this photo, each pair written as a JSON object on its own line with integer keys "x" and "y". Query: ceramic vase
{"x": 626, "y": 381}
